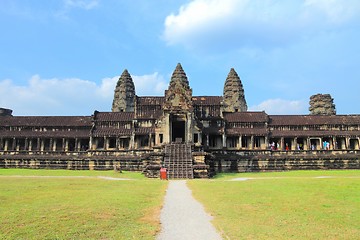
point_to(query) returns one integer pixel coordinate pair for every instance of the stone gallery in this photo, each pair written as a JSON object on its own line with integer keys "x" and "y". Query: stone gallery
{"x": 190, "y": 136}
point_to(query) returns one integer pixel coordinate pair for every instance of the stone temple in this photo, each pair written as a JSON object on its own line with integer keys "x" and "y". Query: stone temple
{"x": 191, "y": 136}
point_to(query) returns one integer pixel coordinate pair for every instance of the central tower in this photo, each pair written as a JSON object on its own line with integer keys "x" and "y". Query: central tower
{"x": 178, "y": 108}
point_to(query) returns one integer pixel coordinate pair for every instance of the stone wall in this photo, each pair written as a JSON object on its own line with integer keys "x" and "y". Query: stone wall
{"x": 205, "y": 164}
{"x": 71, "y": 162}
{"x": 234, "y": 162}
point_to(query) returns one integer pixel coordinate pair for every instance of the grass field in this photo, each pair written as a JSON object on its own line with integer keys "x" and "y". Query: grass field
{"x": 283, "y": 205}
{"x": 63, "y": 204}
{"x": 69, "y": 206}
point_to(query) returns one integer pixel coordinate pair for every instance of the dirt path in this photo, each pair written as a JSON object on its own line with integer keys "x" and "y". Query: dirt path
{"x": 182, "y": 217}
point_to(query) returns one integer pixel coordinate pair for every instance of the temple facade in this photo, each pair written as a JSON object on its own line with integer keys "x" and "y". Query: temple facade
{"x": 191, "y": 136}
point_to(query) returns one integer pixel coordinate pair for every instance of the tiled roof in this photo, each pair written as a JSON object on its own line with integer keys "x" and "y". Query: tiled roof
{"x": 247, "y": 131}
{"x": 110, "y": 132}
{"x": 310, "y": 133}
{"x": 288, "y": 120}
{"x": 114, "y": 116}
{"x": 45, "y": 121}
{"x": 144, "y": 130}
{"x": 207, "y": 100}
{"x": 47, "y": 134}
{"x": 213, "y": 130}
{"x": 246, "y": 117}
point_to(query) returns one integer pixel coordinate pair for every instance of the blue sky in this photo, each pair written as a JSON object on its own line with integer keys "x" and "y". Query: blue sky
{"x": 63, "y": 57}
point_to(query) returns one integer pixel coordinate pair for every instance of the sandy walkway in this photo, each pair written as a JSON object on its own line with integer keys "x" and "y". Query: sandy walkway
{"x": 182, "y": 217}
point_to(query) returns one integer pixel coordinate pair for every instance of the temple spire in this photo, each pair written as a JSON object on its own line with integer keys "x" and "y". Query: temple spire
{"x": 178, "y": 96}
{"x": 179, "y": 75}
{"x": 234, "y": 97}
{"x": 124, "y": 94}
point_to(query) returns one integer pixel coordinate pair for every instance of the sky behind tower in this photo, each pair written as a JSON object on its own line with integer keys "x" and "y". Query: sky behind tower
{"x": 63, "y": 57}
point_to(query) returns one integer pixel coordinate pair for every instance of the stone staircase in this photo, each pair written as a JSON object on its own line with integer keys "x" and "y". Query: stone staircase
{"x": 178, "y": 161}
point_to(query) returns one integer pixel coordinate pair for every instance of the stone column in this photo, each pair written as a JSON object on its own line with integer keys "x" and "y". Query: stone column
{"x": 78, "y": 144}
{"x": 321, "y": 144}
{"x": 167, "y": 128}
{"x": 347, "y": 142}
{"x": 26, "y": 147}
{"x": 91, "y": 143}
{"x": 308, "y": 144}
{"x": 295, "y": 144}
{"x": 1, "y": 143}
{"x": 224, "y": 140}
{"x": 282, "y": 147}
{"x": 51, "y": 144}
{"x": 150, "y": 140}
{"x": 266, "y": 143}
{"x": 240, "y": 142}
{"x": 13, "y": 147}
{"x": 6, "y": 147}
{"x": 30, "y": 144}
{"x": 334, "y": 144}
{"x": 117, "y": 143}
{"x": 42, "y": 143}
{"x": 189, "y": 135}
{"x": 54, "y": 144}
{"x": 252, "y": 142}
{"x": 38, "y": 145}
{"x": 66, "y": 145}
{"x": 106, "y": 143}
{"x": 132, "y": 141}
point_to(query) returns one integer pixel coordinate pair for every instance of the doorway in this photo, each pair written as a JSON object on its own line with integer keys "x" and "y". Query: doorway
{"x": 178, "y": 131}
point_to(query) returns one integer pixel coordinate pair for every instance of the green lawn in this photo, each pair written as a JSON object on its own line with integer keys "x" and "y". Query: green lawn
{"x": 45, "y": 172}
{"x": 283, "y": 205}
{"x": 82, "y": 205}
{"x": 78, "y": 207}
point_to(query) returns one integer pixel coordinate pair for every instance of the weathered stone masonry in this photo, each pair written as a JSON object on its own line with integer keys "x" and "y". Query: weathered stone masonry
{"x": 193, "y": 136}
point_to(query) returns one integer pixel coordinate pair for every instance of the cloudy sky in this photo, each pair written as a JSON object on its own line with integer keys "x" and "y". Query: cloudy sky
{"x": 63, "y": 57}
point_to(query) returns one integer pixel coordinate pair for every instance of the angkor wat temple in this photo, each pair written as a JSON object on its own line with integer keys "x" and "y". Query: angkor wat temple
{"x": 192, "y": 136}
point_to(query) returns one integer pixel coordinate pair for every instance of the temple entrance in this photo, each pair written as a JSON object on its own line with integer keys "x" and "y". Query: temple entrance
{"x": 178, "y": 131}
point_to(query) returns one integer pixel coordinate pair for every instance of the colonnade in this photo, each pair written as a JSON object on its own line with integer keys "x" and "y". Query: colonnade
{"x": 44, "y": 144}
{"x": 252, "y": 142}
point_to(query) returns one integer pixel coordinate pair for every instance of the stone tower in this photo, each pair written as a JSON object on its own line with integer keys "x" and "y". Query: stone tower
{"x": 5, "y": 112}
{"x": 178, "y": 119}
{"x": 234, "y": 97}
{"x": 178, "y": 96}
{"x": 124, "y": 95}
{"x": 322, "y": 104}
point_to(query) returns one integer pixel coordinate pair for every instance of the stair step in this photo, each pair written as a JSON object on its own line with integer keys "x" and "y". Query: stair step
{"x": 178, "y": 161}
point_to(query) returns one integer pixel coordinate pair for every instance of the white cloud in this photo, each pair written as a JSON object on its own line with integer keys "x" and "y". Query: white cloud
{"x": 149, "y": 85}
{"x": 84, "y": 4}
{"x": 336, "y": 11}
{"x": 281, "y": 106}
{"x": 71, "y": 96}
{"x": 244, "y": 23}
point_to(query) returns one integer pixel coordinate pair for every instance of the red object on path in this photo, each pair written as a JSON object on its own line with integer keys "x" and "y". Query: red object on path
{"x": 163, "y": 174}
